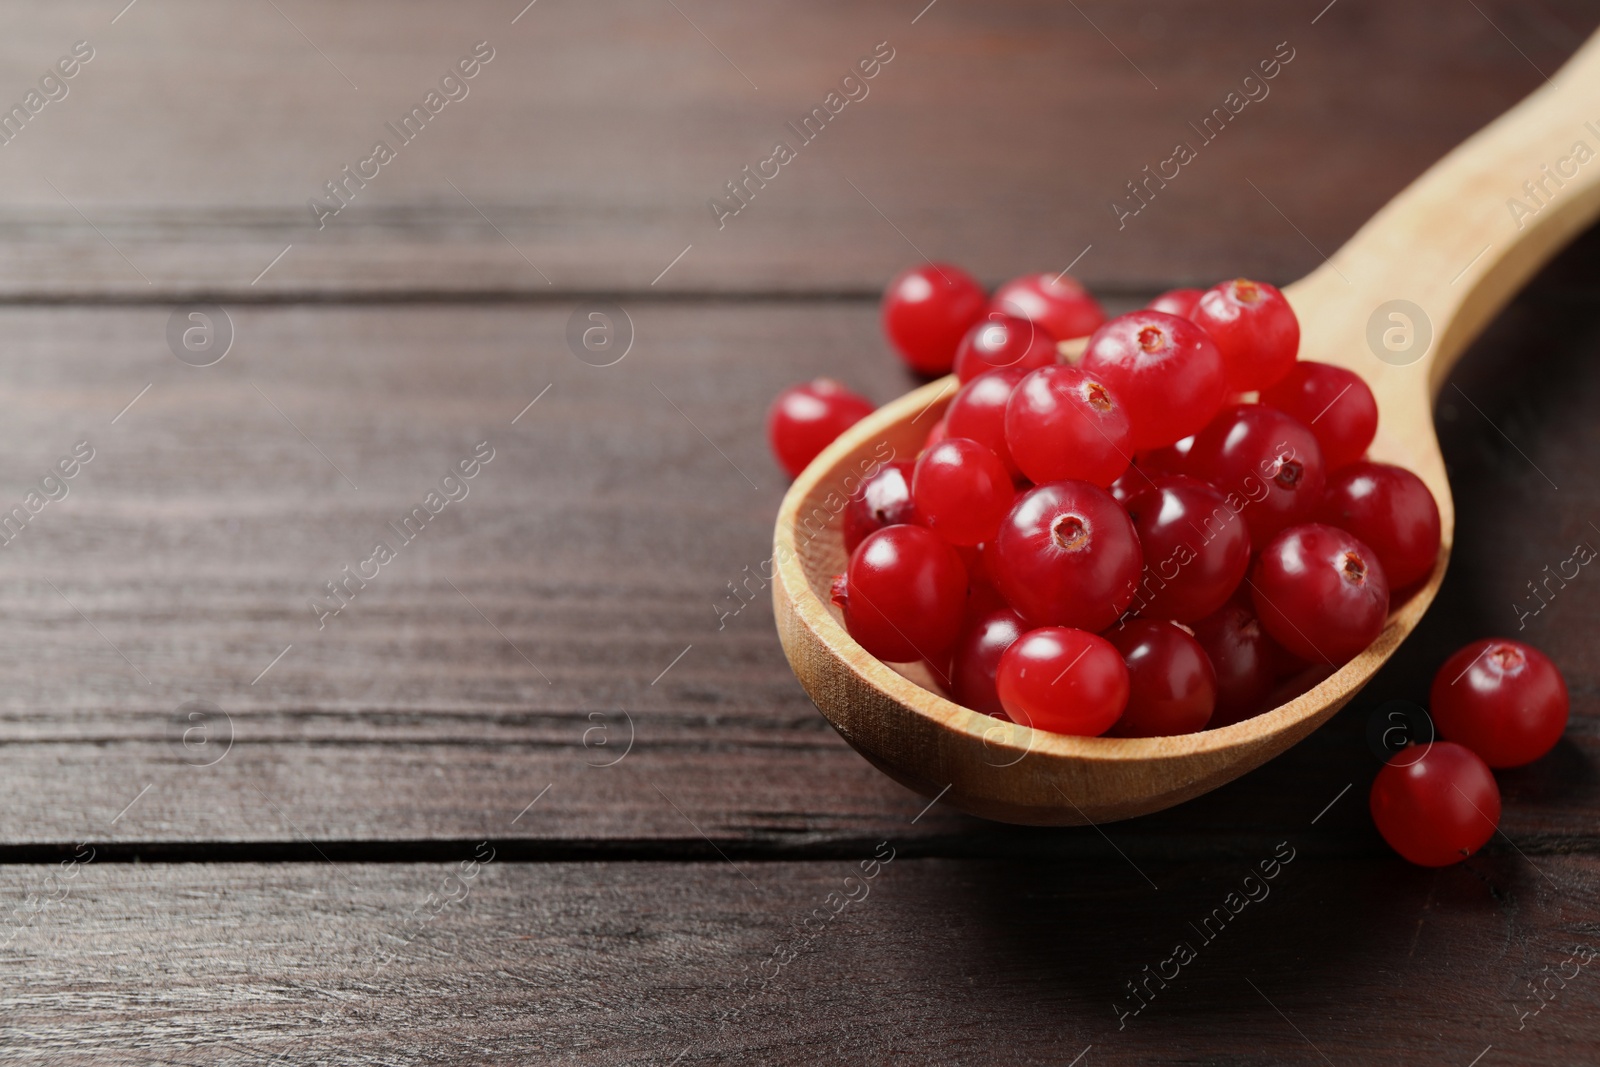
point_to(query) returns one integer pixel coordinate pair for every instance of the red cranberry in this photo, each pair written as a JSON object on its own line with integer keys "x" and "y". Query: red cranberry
{"x": 1334, "y": 403}
{"x": 1001, "y": 341}
{"x": 1266, "y": 463}
{"x": 926, "y": 310}
{"x": 1061, "y": 423}
{"x": 805, "y": 419}
{"x": 883, "y": 499}
{"x": 1501, "y": 698}
{"x": 984, "y": 638}
{"x": 1169, "y": 459}
{"x": 1247, "y": 662}
{"x": 978, "y": 411}
{"x": 1179, "y": 302}
{"x": 1320, "y": 593}
{"x": 1165, "y": 369}
{"x": 937, "y": 433}
{"x": 1255, "y": 329}
{"x": 962, "y": 490}
{"x": 1196, "y": 549}
{"x": 1055, "y": 301}
{"x": 1063, "y": 680}
{"x": 1172, "y": 688}
{"x": 903, "y": 594}
{"x": 1391, "y": 510}
{"x": 1435, "y": 804}
{"x": 1067, "y": 555}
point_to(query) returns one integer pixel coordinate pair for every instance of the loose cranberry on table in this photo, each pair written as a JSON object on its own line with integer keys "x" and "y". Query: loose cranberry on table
{"x": 927, "y": 310}
{"x": 1334, "y": 403}
{"x": 805, "y": 419}
{"x": 1179, "y": 302}
{"x": 1435, "y": 804}
{"x": 1255, "y": 330}
{"x": 903, "y": 594}
{"x": 1054, "y": 301}
{"x": 1067, "y": 555}
{"x": 1172, "y": 687}
{"x": 1267, "y": 462}
{"x": 1196, "y": 549}
{"x": 1501, "y": 698}
{"x": 1164, "y": 369}
{"x": 1320, "y": 593}
{"x": 984, "y": 637}
{"x": 1064, "y": 680}
{"x": 1247, "y": 662}
{"x": 883, "y": 499}
{"x": 1062, "y": 423}
{"x": 1392, "y": 511}
{"x": 978, "y": 411}
{"x": 962, "y": 490}
{"x": 1001, "y": 340}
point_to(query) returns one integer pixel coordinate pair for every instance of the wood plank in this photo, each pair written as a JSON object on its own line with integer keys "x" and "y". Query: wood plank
{"x": 585, "y": 152}
{"x": 936, "y": 962}
{"x": 599, "y": 543}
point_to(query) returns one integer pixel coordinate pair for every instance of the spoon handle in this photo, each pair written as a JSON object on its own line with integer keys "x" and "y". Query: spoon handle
{"x": 1415, "y": 285}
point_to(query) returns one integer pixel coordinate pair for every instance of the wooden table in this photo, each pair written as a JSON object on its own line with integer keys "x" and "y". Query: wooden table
{"x": 544, "y": 789}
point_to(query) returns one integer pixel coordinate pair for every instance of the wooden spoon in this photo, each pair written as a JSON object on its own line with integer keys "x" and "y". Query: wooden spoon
{"x": 1398, "y": 304}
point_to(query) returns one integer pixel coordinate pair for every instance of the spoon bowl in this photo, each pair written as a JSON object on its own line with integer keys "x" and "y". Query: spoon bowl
{"x": 1397, "y": 304}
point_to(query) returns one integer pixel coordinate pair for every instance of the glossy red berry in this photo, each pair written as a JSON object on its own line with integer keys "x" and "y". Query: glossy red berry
{"x": 1501, "y": 698}
{"x": 1063, "y": 680}
{"x": 1435, "y": 804}
{"x": 1172, "y": 688}
{"x": 975, "y": 661}
{"x": 1320, "y": 593}
{"x": 1391, "y": 510}
{"x": 1247, "y": 662}
{"x": 926, "y": 310}
{"x": 1164, "y": 369}
{"x": 978, "y": 411}
{"x": 883, "y": 499}
{"x": 937, "y": 433}
{"x": 903, "y": 594}
{"x": 1067, "y": 555}
{"x": 1056, "y": 302}
{"x": 1196, "y": 549}
{"x": 1130, "y": 483}
{"x": 804, "y": 419}
{"x": 962, "y": 490}
{"x": 1255, "y": 329}
{"x": 1169, "y": 459}
{"x": 1334, "y": 403}
{"x": 1179, "y": 302}
{"x": 1062, "y": 423}
{"x": 999, "y": 340}
{"x": 1266, "y": 463}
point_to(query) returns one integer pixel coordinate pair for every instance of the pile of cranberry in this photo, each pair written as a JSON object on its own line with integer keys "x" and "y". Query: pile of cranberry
{"x": 1172, "y": 531}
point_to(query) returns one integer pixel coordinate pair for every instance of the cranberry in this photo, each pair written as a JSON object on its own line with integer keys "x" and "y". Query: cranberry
{"x": 1061, "y": 423}
{"x": 804, "y": 419}
{"x": 1320, "y": 593}
{"x": 1002, "y": 340}
{"x": 903, "y": 594}
{"x": 962, "y": 490}
{"x": 1255, "y": 329}
{"x": 1165, "y": 369}
{"x": 1179, "y": 302}
{"x": 1172, "y": 688}
{"x": 1196, "y": 549}
{"x": 1334, "y": 403}
{"x": 1435, "y": 804}
{"x": 1169, "y": 459}
{"x": 984, "y": 637}
{"x": 979, "y": 412}
{"x": 883, "y": 499}
{"x": 1501, "y": 698}
{"x": 1130, "y": 483}
{"x": 1063, "y": 680}
{"x": 1247, "y": 662}
{"x": 938, "y": 433}
{"x": 1267, "y": 464}
{"x": 1067, "y": 555}
{"x": 926, "y": 310}
{"x": 1057, "y": 303}
{"x": 1391, "y": 510}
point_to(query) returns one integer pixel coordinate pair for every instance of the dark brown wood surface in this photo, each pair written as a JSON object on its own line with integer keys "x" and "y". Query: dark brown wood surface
{"x": 557, "y": 664}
